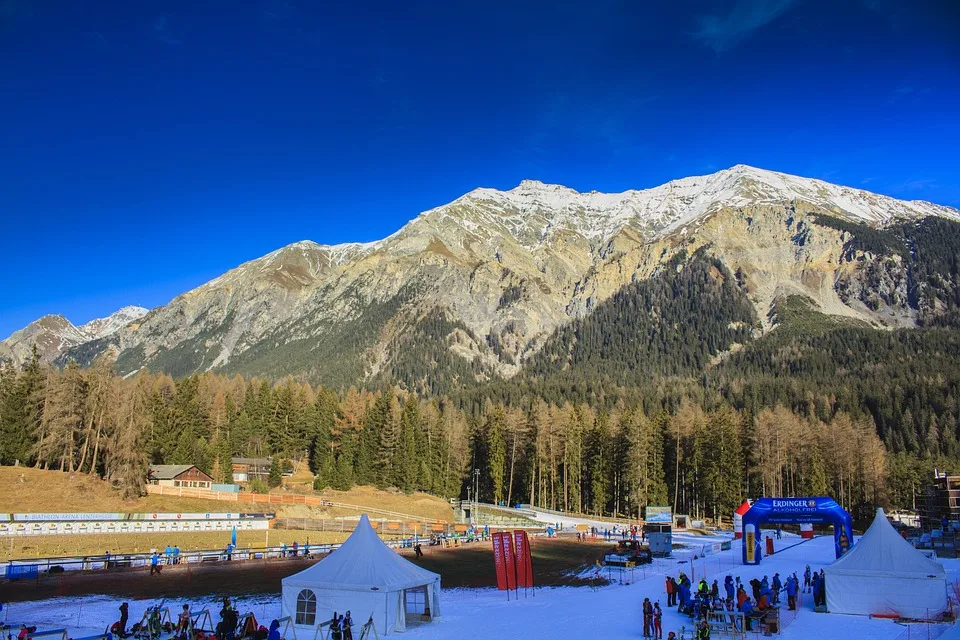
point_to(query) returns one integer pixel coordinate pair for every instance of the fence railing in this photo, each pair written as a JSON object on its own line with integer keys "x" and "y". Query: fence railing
{"x": 384, "y": 527}
{"x": 24, "y": 569}
{"x": 277, "y": 498}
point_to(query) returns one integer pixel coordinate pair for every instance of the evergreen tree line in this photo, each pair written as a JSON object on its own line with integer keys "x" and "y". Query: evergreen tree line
{"x": 701, "y": 457}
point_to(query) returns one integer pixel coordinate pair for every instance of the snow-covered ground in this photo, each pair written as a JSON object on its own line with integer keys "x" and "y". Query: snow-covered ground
{"x": 612, "y": 611}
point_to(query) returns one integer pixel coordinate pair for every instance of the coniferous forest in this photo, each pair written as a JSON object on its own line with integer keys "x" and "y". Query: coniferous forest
{"x": 641, "y": 402}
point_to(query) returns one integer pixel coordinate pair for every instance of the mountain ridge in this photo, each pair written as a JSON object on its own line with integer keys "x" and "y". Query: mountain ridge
{"x": 54, "y": 334}
{"x": 508, "y": 268}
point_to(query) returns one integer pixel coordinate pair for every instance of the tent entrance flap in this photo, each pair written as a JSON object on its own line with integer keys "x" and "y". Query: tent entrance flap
{"x": 416, "y": 605}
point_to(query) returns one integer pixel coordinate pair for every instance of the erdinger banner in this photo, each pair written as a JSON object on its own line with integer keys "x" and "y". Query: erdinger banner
{"x": 524, "y": 561}
{"x": 500, "y": 560}
{"x": 802, "y": 511}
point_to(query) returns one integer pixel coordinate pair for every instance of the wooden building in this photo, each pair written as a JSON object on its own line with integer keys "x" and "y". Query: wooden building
{"x": 178, "y": 475}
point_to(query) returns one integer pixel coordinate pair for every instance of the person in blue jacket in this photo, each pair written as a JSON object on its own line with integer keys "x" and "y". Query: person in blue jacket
{"x": 777, "y": 588}
{"x": 274, "y": 631}
{"x": 815, "y": 583}
{"x": 747, "y": 610}
{"x": 685, "y": 595}
{"x": 792, "y": 588}
{"x": 728, "y": 586}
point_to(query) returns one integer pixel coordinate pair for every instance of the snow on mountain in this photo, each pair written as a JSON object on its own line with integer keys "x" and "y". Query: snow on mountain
{"x": 511, "y": 266}
{"x": 54, "y": 334}
{"x": 103, "y": 327}
{"x": 532, "y": 211}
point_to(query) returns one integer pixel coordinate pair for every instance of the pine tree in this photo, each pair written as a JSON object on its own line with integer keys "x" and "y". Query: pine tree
{"x": 405, "y": 462}
{"x": 126, "y": 461}
{"x": 598, "y": 463}
{"x": 389, "y": 443}
{"x": 222, "y": 470}
{"x": 62, "y": 419}
{"x": 276, "y": 475}
{"x": 375, "y": 415}
{"x": 496, "y": 452}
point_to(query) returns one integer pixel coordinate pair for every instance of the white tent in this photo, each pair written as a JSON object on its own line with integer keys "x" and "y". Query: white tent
{"x": 365, "y": 577}
{"x": 883, "y": 574}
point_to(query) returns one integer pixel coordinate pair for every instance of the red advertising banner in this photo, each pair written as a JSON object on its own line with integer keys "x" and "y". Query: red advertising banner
{"x": 499, "y": 560}
{"x": 524, "y": 561}
{"x": 511, "y": 560}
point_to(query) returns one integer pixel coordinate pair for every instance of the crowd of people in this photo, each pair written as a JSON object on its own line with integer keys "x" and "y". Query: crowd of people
{"x": 706, "y": 601}
{"x": 632, "y": 532}
{"x": 154, "y": 624}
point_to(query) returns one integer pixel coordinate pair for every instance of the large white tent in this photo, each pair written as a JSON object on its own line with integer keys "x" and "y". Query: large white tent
{"x": 884, "y": 575}
{"x": 367, "y": 578}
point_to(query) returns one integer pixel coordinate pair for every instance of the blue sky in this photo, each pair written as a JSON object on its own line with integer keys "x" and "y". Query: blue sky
{"x": 149, "y": 146}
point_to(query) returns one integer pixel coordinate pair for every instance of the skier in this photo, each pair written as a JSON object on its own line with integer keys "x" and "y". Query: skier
{"x": 777, "y": 587}
{"x": 647, "y": 617}
{"x": 657, "y": 620}
{"x": 806, "y": 580}
{"x": 183, "y": 623}
{"x": 347, "y": 627}
{"x": 123, "y": 619}
{"x": 703, "y": 633}
{"x": 228, "y": 621}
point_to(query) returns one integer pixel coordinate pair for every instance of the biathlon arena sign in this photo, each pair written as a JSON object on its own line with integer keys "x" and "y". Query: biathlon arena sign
{"x": 38, "y": 524}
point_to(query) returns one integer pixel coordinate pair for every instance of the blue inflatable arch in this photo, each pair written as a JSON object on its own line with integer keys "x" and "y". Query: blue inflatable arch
{"x": 821, "y": 510}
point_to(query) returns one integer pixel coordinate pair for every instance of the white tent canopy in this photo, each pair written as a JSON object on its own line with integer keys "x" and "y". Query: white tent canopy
{"x": 883, "y": 574}
{"x": 365, "y": 577}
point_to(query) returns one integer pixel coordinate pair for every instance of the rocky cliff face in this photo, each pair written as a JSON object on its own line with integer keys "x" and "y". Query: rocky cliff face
{"x": 54, "y": 335}
{"x": 479, "y": 284}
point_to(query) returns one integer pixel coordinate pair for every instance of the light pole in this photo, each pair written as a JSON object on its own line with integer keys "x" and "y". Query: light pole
{"x": 476, "y": 486}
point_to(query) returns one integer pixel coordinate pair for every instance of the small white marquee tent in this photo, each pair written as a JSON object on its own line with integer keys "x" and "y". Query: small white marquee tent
{"x": 363, "y": 576}
{"x": 884, "y": 574}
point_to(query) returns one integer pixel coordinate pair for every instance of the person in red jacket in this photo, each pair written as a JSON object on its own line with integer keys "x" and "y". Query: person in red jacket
{"x": 669, "y": 589}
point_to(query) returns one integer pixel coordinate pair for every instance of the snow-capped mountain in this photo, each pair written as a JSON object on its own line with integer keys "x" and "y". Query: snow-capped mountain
{"x": 54, "y": 334}
{"x": 533, "y": 211}
{"x": 487, "y": 278}
{"x": 103, "y": 327}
